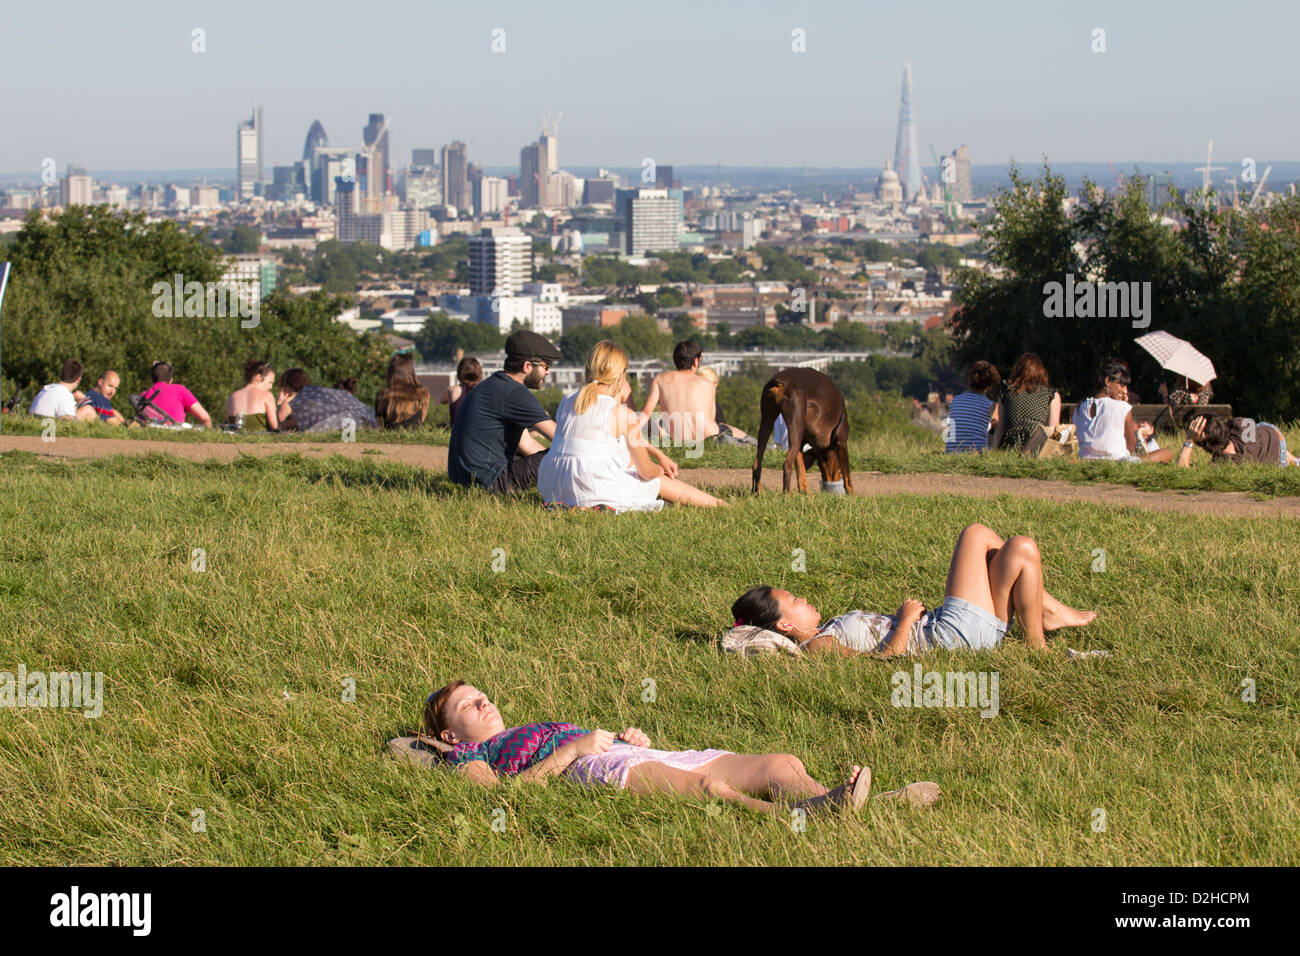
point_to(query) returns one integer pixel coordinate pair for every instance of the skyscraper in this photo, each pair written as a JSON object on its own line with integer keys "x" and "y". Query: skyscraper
{"x": 907, "y": 156}
{"x": 500, "y": 261}
{"x": 248, "y": 155}
{"x": 454, "y": 182}
{"x": 650, "y": 220}
{"x": 375, "y": 137}
{"x": 532, "y": 175}
{"x": 961, "y": 188}
{"x": 315, "y": 137}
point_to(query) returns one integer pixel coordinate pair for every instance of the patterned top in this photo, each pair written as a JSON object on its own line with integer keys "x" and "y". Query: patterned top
{"x": 517, "y": 748}
{"x": 1181, "y": 396}
{"x": 1025, "y": 411}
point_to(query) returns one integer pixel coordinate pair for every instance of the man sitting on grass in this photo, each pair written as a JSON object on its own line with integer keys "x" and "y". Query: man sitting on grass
{"x": 490, "y": 445}
{"x": 305, "y": 407}
{"x": 174, "y": 399}
{"x": 97, "y": 406}
{"x": 59, "y": 399}
{"x": 688, "y": 401}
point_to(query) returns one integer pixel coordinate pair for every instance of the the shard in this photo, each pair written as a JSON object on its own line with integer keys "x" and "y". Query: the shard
{"x": 907, "y": 157}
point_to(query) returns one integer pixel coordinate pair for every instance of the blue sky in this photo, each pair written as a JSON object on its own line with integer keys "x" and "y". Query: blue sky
{"x": 116, "y": 86}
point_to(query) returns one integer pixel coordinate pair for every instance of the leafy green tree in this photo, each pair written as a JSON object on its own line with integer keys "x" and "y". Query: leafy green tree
{"x": 442, "y": 336}
{"x": 578, "y": 341}
{"x": 243, "y": 240}
{"x": 671, "y": 298}
{"x": 1225, "y": 281}
{"x": 89, "y": 284}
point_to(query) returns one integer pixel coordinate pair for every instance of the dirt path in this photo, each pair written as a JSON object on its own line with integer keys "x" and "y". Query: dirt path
{"x": 1232, "y": 504}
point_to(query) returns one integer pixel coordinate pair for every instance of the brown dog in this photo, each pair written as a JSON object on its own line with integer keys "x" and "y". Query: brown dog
{"x": 814, "y": 414}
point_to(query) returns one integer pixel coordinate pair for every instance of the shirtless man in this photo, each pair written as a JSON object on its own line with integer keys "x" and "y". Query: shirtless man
{"x": 687, "y": 399}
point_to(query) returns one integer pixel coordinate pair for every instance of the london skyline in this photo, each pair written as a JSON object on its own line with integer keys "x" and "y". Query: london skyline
{"x": 693, "y": 85}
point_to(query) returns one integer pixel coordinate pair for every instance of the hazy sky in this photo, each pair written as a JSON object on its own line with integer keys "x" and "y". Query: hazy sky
{"x": 116, "y": 86}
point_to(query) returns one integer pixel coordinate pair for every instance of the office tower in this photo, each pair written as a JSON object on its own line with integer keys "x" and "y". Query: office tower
{"x": 76, "y": 188}
{"x": 424, "y": 158}
{"x": 907, "y": 156}
{"x": 328, "y": 164}
{"x": 532, "y": 176}
{"x": 550, "y": 144}
{"x": 489, "y": 194}
{"x": 500, "y": 261}
{"x": 455, "y": 190}
{"x": 599, "y": 189}
{"x": 315, "y": 137}
{"x": 375, "y": 137}
{"x": 421, "y": 188}
{"x": 650, "y": 220}
{"x": 562, "y": 189}
{"x": 961, "y": 187}
{"x": 248, "y": 155}
{"x": 663, "y": 177}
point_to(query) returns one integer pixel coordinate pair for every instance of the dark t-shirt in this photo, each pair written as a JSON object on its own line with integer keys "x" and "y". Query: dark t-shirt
{"x": 486, "y": 431}
{"x": 1266, "y": 449}
{"x": 99, "y": 403}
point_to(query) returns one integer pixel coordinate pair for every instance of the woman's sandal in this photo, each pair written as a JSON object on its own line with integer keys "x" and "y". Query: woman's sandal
{"x": 922, "y": 794}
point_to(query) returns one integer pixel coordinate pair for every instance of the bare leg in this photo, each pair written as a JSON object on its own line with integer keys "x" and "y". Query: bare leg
{"x": 777, "y": 776}
{"x": 971, "y": 570}
{"x": 1016, "y": 581}
{"x": 651, "y": 777}
{"x": 678, "y": 491}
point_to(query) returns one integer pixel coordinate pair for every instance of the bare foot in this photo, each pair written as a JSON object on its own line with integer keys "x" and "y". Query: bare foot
{"x": 1063, "y": 616}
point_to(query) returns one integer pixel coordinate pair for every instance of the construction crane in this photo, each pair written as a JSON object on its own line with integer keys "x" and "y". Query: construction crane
{"x": 1260, "y": 185}
{"x": 1206, "y": 170}
{"x": 1233, "y": 181}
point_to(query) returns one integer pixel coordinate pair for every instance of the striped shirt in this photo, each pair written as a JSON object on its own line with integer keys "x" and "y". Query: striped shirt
{"x": 968, "y": 422}
{"x": 517, "y": 748}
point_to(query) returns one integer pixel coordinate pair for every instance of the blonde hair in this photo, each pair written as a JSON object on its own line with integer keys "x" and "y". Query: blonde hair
{"x": 605, "y": 365}
{"x": 708, "y": 374}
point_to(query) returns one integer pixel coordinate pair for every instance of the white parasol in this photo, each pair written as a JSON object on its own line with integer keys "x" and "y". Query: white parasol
{"x": 1178, "y": 356}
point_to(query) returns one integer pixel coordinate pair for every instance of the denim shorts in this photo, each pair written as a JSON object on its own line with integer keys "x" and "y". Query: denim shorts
{"x": 1281, "y": 444}
{"x": 961, "y": 625}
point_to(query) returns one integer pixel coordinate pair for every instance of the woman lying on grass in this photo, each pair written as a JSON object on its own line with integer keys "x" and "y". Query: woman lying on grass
{"x": 988, "y": 580}
{"x": 462, "y": 725}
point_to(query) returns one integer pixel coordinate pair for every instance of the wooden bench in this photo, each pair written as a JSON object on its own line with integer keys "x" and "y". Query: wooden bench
{"x": 1163, "y": 416}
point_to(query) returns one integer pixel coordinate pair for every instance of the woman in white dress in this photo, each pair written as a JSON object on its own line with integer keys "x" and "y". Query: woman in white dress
{"x": 598, "y": 456}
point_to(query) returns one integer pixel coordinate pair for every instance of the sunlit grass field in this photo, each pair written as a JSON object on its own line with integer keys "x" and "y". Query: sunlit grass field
{"x": 225, "y": 688}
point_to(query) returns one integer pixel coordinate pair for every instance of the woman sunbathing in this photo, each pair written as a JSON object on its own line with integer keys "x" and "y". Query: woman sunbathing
{"x": 988, "y": 580}
{"x": 462, "y": 726}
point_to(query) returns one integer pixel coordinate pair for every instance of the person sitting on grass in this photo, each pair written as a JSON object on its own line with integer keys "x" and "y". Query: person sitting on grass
{"x": 469, "y": 372}
{"x": 598, "y": 456}
{"x": 98, "y": 403}
{"x": 1105, "y": 426}
{"x": 253, "y": 406}
{"x": 686, "y": 399}
{"x": 462, "y": 728}
{"x": 59, "y": 399}
{"x": 305, "y": 407}
{"x": 174, "y": 399}
{"x": 403, "y": 402}
{"x": 727, "y": 434}
{"x": 1026, "y": 401}
{"x": 1236, "y": 441}
{"x": 989, "y": 580}
{"x": 971, "y": 412}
